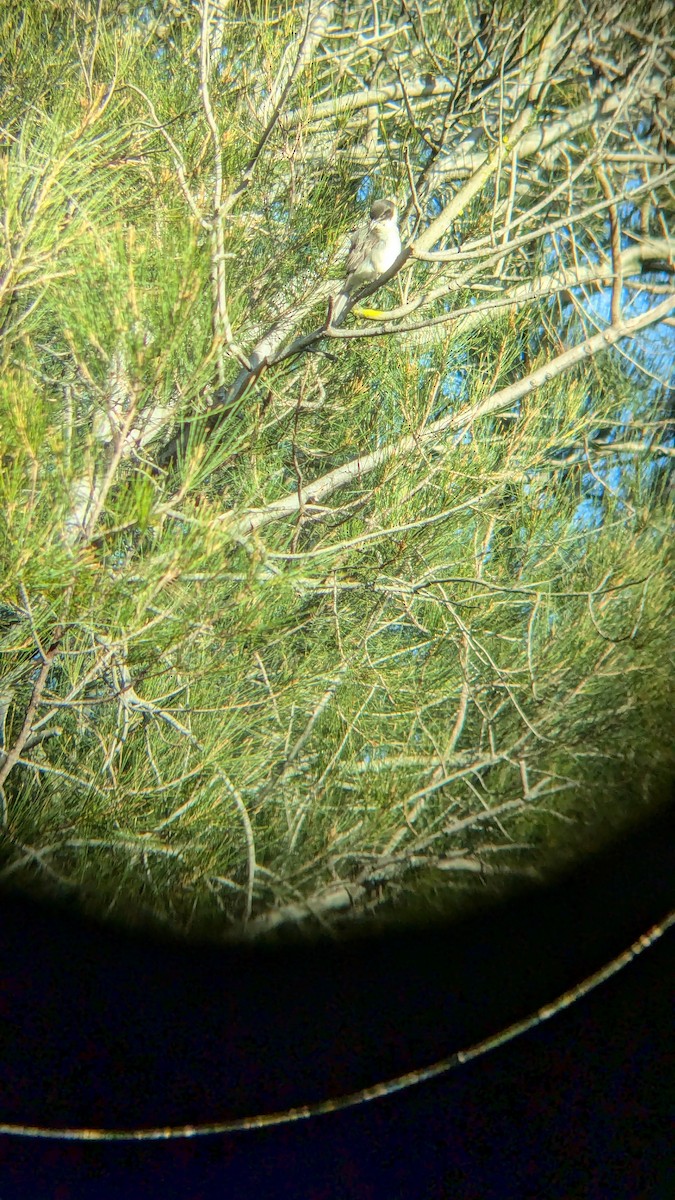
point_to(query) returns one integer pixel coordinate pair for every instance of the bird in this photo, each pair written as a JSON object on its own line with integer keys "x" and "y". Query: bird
{"x": 373, "y": 250}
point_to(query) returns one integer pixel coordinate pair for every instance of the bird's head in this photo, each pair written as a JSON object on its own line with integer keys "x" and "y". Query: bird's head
{"x": 384, "y": 210}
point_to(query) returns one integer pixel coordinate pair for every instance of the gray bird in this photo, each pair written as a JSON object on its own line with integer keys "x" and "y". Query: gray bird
{"x": 374, "y": 249}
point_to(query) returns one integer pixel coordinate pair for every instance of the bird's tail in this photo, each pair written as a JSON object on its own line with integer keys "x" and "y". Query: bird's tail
{"x": 341, "y": 302}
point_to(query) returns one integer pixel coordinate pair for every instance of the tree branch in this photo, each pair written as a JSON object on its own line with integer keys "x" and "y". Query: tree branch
{"x": 318, "y": 491}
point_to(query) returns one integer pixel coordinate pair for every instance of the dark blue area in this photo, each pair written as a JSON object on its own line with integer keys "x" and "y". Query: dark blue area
{"x": 99, "y": 1027}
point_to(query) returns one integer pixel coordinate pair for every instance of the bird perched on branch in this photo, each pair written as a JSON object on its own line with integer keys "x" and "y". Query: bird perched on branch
{"x": 374, "y": 249}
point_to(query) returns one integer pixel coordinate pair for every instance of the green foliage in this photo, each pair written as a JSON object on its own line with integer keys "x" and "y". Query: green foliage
{"x": 451, "y": 667}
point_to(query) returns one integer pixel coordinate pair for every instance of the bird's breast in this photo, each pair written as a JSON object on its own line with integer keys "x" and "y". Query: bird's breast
{"x": 386, "y": 253}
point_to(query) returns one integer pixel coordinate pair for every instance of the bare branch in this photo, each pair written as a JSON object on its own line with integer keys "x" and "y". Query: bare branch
{"x": 318, "y": 491}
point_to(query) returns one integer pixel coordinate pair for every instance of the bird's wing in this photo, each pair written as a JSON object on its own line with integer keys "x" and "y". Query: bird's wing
{"x": 356, "y": 249}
